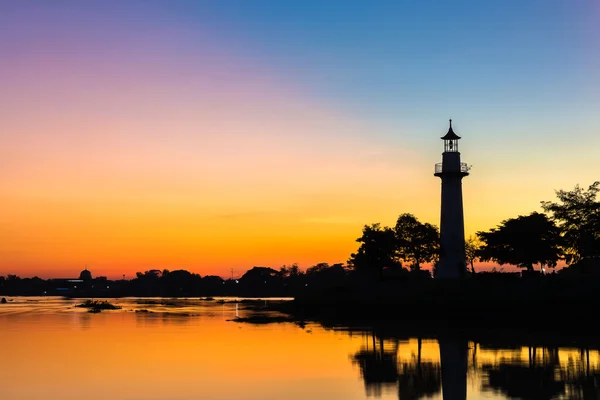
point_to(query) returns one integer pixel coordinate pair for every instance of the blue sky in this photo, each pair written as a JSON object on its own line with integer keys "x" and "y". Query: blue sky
{"x": 390, "y": 57}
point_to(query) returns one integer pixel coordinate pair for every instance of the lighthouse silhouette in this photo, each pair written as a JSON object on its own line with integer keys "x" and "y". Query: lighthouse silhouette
{"x": 451, "y": 170}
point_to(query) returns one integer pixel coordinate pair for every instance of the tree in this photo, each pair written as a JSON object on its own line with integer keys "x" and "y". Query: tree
{"x": 179, "y": 282}
{"x": 417, "y": 242}
{"x": 294, "y": 270}
{"x": 291, "y": 271}
{"x": 377, "y": 250}
{"x": 523, "y": 241}
{"x": 472, "y": 246}
{"x": 325, "y": 274}
{"x": 317, "y": 268}
{"x": 577, "y": 213}
{"x": 260, "y": 275}
{"x": 150, "y": 275}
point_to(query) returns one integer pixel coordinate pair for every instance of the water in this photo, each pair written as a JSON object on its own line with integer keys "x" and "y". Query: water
{"x": 193, "y": 350}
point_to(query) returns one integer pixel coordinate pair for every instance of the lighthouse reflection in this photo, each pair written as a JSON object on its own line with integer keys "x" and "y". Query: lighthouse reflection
{"x": 417, "y": 368}
{"x": 453, "y": 360}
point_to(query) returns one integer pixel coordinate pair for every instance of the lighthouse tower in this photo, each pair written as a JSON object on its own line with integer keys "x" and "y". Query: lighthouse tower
{"x": 452, "y": 263}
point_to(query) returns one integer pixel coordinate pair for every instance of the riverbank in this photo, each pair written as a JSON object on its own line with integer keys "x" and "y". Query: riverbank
{"x": 535, "y": 308}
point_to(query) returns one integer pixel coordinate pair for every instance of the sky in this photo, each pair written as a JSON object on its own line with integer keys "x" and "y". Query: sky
{"x": 218, "y": 135}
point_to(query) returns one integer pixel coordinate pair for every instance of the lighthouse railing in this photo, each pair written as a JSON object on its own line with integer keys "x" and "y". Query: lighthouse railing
{"x": 464, "y": 167}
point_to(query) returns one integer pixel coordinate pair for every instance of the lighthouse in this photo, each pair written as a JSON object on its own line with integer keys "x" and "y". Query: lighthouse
{"x": 451, "y": 170}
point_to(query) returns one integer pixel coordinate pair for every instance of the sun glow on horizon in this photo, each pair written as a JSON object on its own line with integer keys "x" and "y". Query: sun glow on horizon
{"x": 209, "y": 137}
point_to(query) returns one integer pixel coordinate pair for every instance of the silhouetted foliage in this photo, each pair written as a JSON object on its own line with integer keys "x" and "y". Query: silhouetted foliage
{"x": 291, "y": 271}
{"x": 179, "y": 282}
{"x": 589, "y": 268}
{"x": 212, "y": 280}
{"x": 472, "y": 246}
{"x": 523, "y": 241}
{"x": 317, "y": 269}
{"x": 417, "y": 242}
{"x": 325, "y": 275}
{"x": 150, "y": 275}
{"x": 577, "y": 213}
{"x": 377, "y": 251}
{"x": 260, "y": 275}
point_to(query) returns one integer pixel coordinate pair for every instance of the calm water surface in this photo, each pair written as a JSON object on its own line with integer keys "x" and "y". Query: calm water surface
{"x": 193, "y": 350}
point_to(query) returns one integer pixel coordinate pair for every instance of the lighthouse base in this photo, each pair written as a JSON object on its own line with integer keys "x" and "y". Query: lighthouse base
{"x": 451, "y": 268}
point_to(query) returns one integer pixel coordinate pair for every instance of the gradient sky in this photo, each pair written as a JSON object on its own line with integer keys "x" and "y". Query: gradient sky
{"x": 210, "y": 135}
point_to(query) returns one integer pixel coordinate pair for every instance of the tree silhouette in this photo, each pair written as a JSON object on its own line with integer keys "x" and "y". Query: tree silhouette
{"x": 325, "y": 275}
{"x": 291, "y": 271}
{"x": 377, "y": 251}
{"x": 523, "y": 241}
{"x": 258, "y": 275}
{"x": 417, "y": 242}
{"x": 150, "y": 275}
{"x": 577, "y": 213}
{"x": 317, "y": 268}
{"x": 472, "y": 246}
{"x": 179, "y": 282}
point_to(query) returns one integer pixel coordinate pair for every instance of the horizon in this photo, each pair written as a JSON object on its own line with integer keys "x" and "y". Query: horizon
{"x": 237, "y": 274}
{"x": 223, "y": 135}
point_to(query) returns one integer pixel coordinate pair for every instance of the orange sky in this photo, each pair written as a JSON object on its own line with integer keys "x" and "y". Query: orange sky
{"x": 131, "y": 141}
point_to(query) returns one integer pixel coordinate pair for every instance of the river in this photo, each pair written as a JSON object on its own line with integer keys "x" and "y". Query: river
{"x": 195, "y": 349}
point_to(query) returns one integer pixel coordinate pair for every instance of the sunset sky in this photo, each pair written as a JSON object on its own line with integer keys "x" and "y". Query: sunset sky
{"x": 209, "y": 135}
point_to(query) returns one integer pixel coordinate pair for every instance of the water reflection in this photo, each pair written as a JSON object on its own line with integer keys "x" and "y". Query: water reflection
{"x": 382, "y": 369}
{"x": 582, "y": 381}
{"x": 197, "y": 353}
{"x": 453, "y": 361}
{"x": 378, "y": 365}
{"x": 418, "y": 378}
{"x": 389, "y": 363}
{"x": 544, "y": 376}
{"x": 83, "y": 319}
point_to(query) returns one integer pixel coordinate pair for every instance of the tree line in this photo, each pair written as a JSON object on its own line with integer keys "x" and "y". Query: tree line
{"x": 258, "y": 281}
{"x": 568, "y": 229}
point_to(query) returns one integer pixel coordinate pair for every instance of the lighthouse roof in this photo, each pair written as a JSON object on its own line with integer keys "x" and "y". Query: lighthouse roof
{"x": 450, "y": 135}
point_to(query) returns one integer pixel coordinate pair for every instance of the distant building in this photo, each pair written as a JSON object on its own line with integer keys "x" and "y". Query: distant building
{"x": 85, "y": 275}
{"x": 69, "y": 286}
